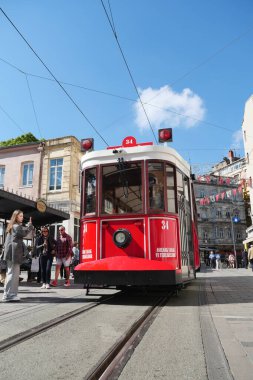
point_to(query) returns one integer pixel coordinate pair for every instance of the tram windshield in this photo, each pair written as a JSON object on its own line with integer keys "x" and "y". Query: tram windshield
{"x": 122, "y": 188}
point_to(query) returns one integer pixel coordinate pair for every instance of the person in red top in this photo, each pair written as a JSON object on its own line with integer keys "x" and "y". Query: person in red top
{"x": 63, "y": 255}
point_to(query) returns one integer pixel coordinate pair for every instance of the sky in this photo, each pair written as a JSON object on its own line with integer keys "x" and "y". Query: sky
{"x": 187, "y": 63}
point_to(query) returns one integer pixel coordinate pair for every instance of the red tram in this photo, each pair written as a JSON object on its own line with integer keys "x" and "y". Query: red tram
{"x": 137, "y": 217}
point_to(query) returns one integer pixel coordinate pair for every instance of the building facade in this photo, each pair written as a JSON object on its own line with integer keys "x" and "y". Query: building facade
{"x": 48, "y": 170}
{"x": 217, "y": 206}
{"x": 247, "y": 132}
{"x": 61, "y": 182}
{"x": 20, "y": 169}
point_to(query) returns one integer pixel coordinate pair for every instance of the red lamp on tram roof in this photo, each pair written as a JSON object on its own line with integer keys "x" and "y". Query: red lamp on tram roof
{"x": 87, "y": 145}
{"x": 165, "y": 135}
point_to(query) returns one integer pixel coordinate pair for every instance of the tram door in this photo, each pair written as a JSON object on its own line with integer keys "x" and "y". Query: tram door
{"x": 184, "y": 212}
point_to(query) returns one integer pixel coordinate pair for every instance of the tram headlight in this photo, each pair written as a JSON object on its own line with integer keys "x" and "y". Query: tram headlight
{"x": 122, "y": 238}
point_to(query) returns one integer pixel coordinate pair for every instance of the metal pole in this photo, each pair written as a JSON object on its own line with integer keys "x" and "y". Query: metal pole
{"x": 233, "y": 237}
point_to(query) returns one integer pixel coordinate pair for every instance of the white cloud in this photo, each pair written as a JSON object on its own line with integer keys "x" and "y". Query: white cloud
{"x": 167, "y": 108}
{"x": 237, "y": 140}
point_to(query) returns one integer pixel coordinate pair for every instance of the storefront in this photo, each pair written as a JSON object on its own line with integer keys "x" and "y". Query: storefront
{"x": 41, "y": 214}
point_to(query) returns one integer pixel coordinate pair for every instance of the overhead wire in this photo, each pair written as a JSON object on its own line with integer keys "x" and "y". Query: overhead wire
{"x": 50, "y": 72}
{"x": 128, "y": 69}
{"x": 208, "y": 59}
{"x": 14, "y": 122}
{"x": 116, "y": 96}
{"x": 127, "y": 98}
{"x": 33, "y": 106}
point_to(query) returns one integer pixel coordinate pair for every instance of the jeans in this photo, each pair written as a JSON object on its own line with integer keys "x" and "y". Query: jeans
{"x": 46, "y": 264}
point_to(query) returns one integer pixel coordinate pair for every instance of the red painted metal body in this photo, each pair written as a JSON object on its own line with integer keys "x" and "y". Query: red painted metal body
{"x": 124, "y": 194}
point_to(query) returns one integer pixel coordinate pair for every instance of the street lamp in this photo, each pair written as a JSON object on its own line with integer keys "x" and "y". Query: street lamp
{"x": 234, "y": 219}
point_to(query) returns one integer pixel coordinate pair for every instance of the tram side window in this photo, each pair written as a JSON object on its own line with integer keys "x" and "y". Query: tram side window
{"x": 156, "y": 185}
{"x": 122, "y": 188}
{"x": 183, "y": 189}
{"x": 170, "y": 189}
{"x": 90, "y": 191}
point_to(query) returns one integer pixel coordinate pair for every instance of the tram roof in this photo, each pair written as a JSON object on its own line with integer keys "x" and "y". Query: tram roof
{"x": 146, "y": 152}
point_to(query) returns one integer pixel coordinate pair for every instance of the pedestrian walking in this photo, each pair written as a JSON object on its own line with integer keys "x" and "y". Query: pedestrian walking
{"x": 63, "y": 255}
{"x": 250, "y": 256}
{"x": 45, "y": 247}
{"x": 212, "y": 259}
{"x": 75, "y": 258}
{"x": 15, "y": 252}
{"x": 218, "y": 260}
{"x": 231, "y": 260}
{"x": 245, "y": 259}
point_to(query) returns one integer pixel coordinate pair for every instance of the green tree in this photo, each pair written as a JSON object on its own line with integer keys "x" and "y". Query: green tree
{"x": 26, "y": 138}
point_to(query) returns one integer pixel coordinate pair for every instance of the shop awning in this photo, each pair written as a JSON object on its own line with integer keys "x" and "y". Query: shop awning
{"x": 248, "y": 240}
{"x": 48, "y": 215}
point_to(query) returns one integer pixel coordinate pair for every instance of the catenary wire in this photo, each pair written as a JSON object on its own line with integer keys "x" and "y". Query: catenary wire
{"x": 174, "y": 82}
{"x": 129, "y": 71}
{"x": 33, "y": 106}
{"x": 14, "y": 122}
{"x": 50, "y": 72}
{"x": 208, "y": 59}
{"x": 114, "y": 29}
{"x": 116, "y": 96}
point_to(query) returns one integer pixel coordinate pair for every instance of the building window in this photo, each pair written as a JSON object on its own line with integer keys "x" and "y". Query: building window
{"x": 202, "y": 193}
{"x": 53, "y": 229}
{"x": 218, "y": 213}
{"x": 2, "y": 173}
{"x": 221, "y": 233}
{"x": 76, "y": 229}
{"x": 27, "y": 174}
{"x": 227, "y": 214}
{"x": 205, "y": 235}
{"x": 55, "y": 182}
{"x": 229, "y": 233}
{"x": 238, "y": 235}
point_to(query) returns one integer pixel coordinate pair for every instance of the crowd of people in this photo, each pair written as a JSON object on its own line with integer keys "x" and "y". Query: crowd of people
{"x": 214, "y": 260}
{"x": 46, "y": 249}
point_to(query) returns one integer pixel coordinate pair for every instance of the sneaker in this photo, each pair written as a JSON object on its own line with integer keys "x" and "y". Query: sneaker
{"x": 14, "y": 298}
{"x": 53, "y": 283}
{"x": 43, "y": 286}
{"x": 5, "y": 299}
{"x": 48, "y": 286}
{"x": 67, "y": 283}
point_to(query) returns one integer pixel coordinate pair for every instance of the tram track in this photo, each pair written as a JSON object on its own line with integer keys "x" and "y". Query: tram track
{"x": 112, "y": 363}
{"x": 39, "y": 329}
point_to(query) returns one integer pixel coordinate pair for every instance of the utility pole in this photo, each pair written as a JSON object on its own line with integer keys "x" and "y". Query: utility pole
{"x": 234, "y": 219}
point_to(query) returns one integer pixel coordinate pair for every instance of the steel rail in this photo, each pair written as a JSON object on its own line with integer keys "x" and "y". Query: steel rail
{"x": 30, "y": 333}
{"x": 119, "y": 354}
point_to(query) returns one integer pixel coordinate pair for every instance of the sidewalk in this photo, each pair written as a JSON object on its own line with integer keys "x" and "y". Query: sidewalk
{"x": 229, "y": 295}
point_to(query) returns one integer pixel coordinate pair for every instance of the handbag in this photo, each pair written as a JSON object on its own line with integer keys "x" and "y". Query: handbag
{"x": 35, "y": 267}
{"x": 3, "y": 263}
{"x": 26, "y": 265}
